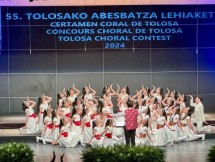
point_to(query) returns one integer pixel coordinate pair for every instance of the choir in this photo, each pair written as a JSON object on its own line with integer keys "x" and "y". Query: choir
{"x": 161, "y": 119}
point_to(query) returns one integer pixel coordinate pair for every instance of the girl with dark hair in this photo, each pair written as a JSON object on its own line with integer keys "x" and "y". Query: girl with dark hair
{"x": 182, "y": 101}
{"x": 66, "y": 110}
{"x": 108, "y": 133}
{"x": 108, "y": 105}
{"x": 187, "y": 128}
{"x": 46, "y": 133}
{"x": 169, "y": 104}
{"x": 153, "y": 106}
{"x": 31, "y": 126}
{"x": 174, "y": 95}
{"x": 146, "y": 93}
{"x": 72, "y": 93}
{"x": 76, "y": 122}
{"x": 158, "y": 93}
{"x": 96, "y": 139}
{"x": 86, "y": 95}
{"x": 199, "y": 115}
{"x": 107, "y": 92}
{"x": 142, "y": 135}
{"x": 160, "y": 135}
{"x": 124, "y": 94}
{"x": 174, "y": 123}
{"x": 86, "y": 132}
{"x": 66, "y": 138}
{"x": 61, "y": 98}
{"x": 42, "y": 105}
{"x": 56, "y": 125}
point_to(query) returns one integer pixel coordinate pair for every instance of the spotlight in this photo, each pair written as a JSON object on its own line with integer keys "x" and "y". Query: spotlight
{"x": 31, "y": 0}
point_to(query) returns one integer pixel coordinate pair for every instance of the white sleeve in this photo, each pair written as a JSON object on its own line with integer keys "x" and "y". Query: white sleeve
{"x": 202, "y": 112}
{"x": 191, "y": 103}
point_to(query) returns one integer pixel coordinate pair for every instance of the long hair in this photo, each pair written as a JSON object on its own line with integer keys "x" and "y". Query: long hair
{"x": 61, "y": 123}
{"x": 161, "y": 92}
{"x": 83, "y": 112}
{"x": 45, "y": 114}
{"x": 68, "y": 92}
{"x": 104, "y": 90}
{"x": 24, "y": 107}
{"x": 127, "y": 90}
{"x": 74, "y": 111}
{"x": 108, "y": 122}
{"x": 39, "y": 103}
{"x": 53, "y": 115}
{"x": 100, "y": 106}
{"x": 185, "y": 100}
{"x": 83, "y": 92}
{"x": 164, "y": 113}
{"x": 74, "y": 104}
{"x": 201, "y": 99}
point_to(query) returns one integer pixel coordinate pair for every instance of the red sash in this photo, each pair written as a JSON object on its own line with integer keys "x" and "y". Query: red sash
{"x": 87, "y": 124}
{"x": 68, "y": 115}
{"x": 65, "y": 134}
{"x": 109, "y": 116}
{"x": 108, "y": 135}
{"x": 33, "y": 116}
{"x": 159, "y": 126}
{"x": 50, "y": 126}
{"x": 119, "y": 111}
{"x": 57, "y": 126}
{"x": 92, "y": 116}
{"x": 77, "y": 123}
{"x": 42, "y": 112}
{"x": 97, "y": 136}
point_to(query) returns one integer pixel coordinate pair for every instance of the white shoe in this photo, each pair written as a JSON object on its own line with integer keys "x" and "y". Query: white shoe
{"x": 44, "y": 142}
{"x": 203, "y": 137}
{"x": 37, "y": 139}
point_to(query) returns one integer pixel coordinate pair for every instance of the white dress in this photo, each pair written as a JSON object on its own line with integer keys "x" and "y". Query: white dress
{"x": 76, "y": 125}
{"x": 141, "y": 141}
{"x": 160, "y": 135}
{"x": 186, "y": 131}
{"x": 159, "y": 97}
{"x": 173, "y": 125}
{"x": 88, "y": 96}
{"x": 44, "y": 106}
{"x": 72, "y": 98}
{"x": 47, "y": 134}
{"x": 32, "y": 126}
{"x": 56, "y": 131}
{"x": 97, "y": 140}
{"x": 87, "y": 132}
{"x": 66, "y": 112}
{"x": 107, "y": 140}
{"x": 68, "y": 139}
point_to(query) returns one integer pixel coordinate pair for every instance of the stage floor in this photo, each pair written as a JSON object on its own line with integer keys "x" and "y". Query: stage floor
{"x": 185, "y": 151}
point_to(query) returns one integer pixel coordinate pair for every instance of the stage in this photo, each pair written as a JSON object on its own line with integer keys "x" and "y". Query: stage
{"x": 184, "y": 151}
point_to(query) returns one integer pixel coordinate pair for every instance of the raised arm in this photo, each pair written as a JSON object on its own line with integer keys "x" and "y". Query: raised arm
{"x": 191, "y": 101}
{"x": 94, "y": 92}
{"x": 48, "y": 99}
{"x": 32, "y": 103}
{"x": 152, "y": 91}
{"x": 76, "y": 90}
{"x": 115, "y": 93}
